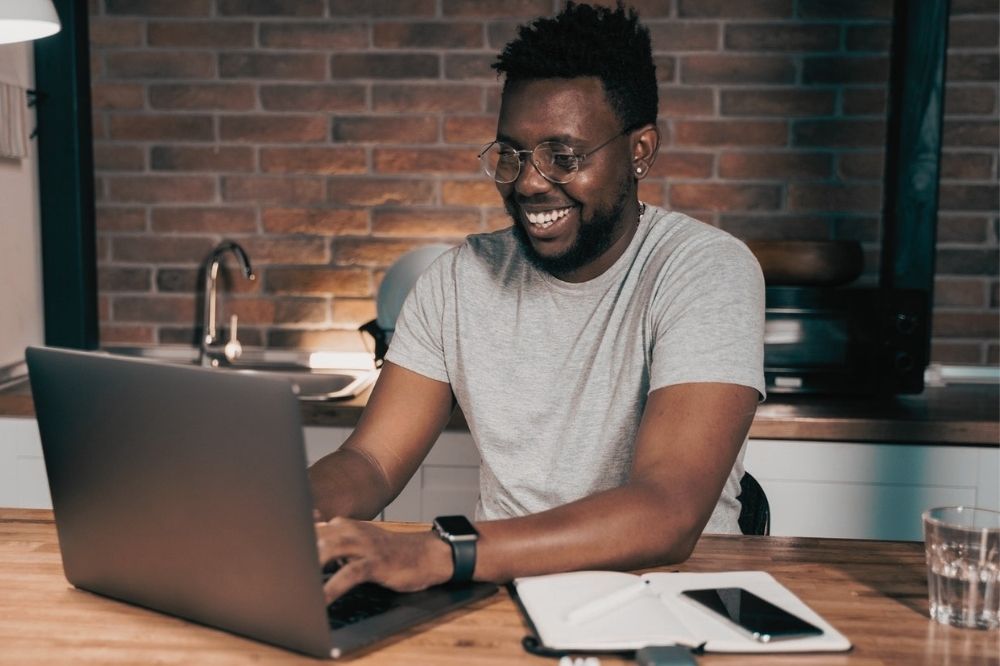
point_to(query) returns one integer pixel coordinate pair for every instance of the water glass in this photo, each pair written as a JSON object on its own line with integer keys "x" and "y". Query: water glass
{"x": 962, "y": 544}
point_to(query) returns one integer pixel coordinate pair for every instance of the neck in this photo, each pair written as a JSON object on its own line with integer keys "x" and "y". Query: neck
{"x": 627, "y": 224}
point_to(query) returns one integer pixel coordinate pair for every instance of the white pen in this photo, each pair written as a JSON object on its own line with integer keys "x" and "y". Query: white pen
{"x": 601, "y": 605}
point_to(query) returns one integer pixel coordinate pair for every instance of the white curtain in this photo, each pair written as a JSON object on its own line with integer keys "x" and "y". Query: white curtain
{"x": 13, "y": 121}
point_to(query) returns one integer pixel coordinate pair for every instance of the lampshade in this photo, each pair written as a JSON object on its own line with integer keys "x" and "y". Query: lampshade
{"x": 24, "y": 20}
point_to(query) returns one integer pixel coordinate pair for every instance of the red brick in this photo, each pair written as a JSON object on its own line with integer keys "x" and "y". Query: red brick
{"x": 312, "y": 160}
{"x": 729, "y": 9}
{"x": 120, "y": 219}
{"x": 465, "y": 66}
{"x": 250, "y": 311}
{"x": 839, "y": 133}
{"x": 956, "y": 353}
{"x": 159, "y": 7}
{"x": 384, "y": 66}
{"x": 422, "y": 223}
{"x": 676, "y": 164}
{"x": 157, "y": 127}
{"x": 666, "y": 69}
{"x": 972, "y": 67}
{"x": 869, "y": 38}
{"x": 861, "y": 165}
{"x": 834, "y": 197}
{"x": 974, "y": 32}
{"x": 970, "y": 99}
{"x": 265, "y": 189}
{"x": 696, "y": 196}
{"x": 427, "y": 35}
{"x": 114, "y": 33}
{"x": 499, "y": 33}
{"x": 346, "y": 97}
{"x": 651, "y": 191}
{"x": 111, "y": 334}
{"x": 370, "y": 252}
{"x": 115, "y": 157}
{"x": 498, "y": 218}
{"x": 156, "y": 189}
{"x": 770, "y": 165}
{"x": 424, "y": 98}
{"x": 353, "y": 311}
{"x": 777, "y": 102}
{"x": 953, "y": 228}
{"x": 844, "y": 9}
{"x": 315, "y": 35}
{"x": 300, "y": 310}
{"x": 159, "y": 65}
{"x": 972, "y": 133}
{"x": 681, "y": 101}
{"x": 335, "y": 281}
{"x": 379, "y": 191}
{"x": 953, "y": 196}
{"x": 966, "y": 325}
{"x": 202, "y": 158}
{"x": 161, "y": 249}
{"x": 738, "y": 69}
{"x": 967, "y": 166}
{"x": 382, "y": 8}
{"x": 675, "y": 36}
{"x": 315, "y": 221}
{"x": 209, "y": 96}
{"x": 208, "y": 34}
{"x": 771, "y": 227}
{"x": 861, "y": 228}
{"x": 115, "y": 278}
{"x": 960, "y": 292}
{"x": 271, "y": 7}
{"x": 845, "y": 70}
{"x": 725, "y": 132}
{"x": 116, "y": 96}
{"x": 215, "y": 220}
{"x": 154, "y": 309}
{"x": 966, "y": 261}
{"x": 492, "y": 9}
{"x": 865, "y": 101}
{"x": 424, "y": 160}
{"x": 284, "y": 66}
{"x": 386, "y": 129}
{"x": 190, "y": 280}
{"x": 273, "y": 128}
{"x": 316, "y": 339}
{"x": 475, "y": 130}
{"x": 960, "y": 7}
{"x": 302, "y": 250}
{"x": 480, "y": 192}
{"x": 782, "y": 37}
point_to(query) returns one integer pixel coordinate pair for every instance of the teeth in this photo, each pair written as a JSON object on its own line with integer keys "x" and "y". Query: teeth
{"x": 546, "y": 219}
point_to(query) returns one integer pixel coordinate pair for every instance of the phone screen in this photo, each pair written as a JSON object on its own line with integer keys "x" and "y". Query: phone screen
{"x": 762, "y": 619}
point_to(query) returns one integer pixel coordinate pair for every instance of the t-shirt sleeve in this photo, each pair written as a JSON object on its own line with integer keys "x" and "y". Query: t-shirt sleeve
{"x": 707, "y": 317}
{"x": 417, "y": 343}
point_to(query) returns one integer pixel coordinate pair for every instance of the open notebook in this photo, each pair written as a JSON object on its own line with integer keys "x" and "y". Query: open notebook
{"x": 659, "y": 616}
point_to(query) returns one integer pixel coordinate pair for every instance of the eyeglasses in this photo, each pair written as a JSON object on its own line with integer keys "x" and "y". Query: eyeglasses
{"x": 557, "y": 162}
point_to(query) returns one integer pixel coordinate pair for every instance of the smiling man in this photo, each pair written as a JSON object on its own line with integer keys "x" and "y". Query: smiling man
{"x": 607, "y": 354}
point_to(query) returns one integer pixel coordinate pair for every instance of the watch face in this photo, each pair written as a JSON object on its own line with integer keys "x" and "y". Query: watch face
{"x": 455, "y": 525}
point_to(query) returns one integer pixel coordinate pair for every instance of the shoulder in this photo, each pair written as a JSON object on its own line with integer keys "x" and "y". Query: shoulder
{"x": 677, "y": 241}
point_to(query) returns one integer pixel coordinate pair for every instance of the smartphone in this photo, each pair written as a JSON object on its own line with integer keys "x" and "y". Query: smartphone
{"x": 760, "y": 619}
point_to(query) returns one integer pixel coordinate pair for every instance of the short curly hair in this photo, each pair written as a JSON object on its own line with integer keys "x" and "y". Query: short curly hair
{"x": 584, "y": 40}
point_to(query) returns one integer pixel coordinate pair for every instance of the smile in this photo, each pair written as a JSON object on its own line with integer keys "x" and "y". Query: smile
{"x": 547, "y": 218}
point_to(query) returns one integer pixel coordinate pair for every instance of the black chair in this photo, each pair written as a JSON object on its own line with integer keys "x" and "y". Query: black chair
{"x": 755, "y": 512}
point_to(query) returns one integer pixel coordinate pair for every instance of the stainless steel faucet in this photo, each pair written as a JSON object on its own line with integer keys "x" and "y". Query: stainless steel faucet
{"x": 212, "y": 353}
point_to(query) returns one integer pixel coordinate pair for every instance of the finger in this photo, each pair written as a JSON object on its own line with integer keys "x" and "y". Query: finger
{"x": 339, "y": 539}
{"x": 349, "y": 575}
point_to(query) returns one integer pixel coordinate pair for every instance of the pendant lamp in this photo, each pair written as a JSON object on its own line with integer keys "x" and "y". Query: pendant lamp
{"x": 25, "y": 20}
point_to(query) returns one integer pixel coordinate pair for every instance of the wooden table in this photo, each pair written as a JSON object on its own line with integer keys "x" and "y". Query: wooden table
{"x": 873, "y": 592}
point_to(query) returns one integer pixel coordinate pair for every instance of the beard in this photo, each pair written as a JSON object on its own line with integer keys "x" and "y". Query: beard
{"x": 593, "y": 238}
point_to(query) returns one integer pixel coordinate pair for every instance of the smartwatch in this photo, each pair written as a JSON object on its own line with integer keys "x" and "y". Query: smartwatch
{"x": 459, "y": 533}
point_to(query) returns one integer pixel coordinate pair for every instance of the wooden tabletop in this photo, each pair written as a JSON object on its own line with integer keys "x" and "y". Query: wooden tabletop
{"x": 873, "y": 592}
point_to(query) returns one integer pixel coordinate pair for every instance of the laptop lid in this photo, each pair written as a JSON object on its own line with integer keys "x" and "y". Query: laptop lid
{"x": 184, "y": 490}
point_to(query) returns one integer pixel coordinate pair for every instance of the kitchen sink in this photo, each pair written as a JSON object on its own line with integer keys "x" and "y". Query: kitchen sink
{"x": 313, "y": 376}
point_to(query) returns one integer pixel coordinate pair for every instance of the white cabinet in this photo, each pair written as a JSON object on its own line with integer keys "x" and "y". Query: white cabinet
{"x": 868, "y": 491}
{"x": 22, "y": 470}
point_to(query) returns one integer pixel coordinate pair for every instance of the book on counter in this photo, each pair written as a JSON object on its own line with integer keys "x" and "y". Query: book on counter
{"x": 611, "y": 611}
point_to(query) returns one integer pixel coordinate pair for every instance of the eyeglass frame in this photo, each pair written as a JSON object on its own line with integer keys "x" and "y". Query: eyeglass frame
{"x": 580, "y": 157}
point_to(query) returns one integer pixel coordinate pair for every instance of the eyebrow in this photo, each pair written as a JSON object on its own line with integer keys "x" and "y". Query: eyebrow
{"x": 560, "y": 138}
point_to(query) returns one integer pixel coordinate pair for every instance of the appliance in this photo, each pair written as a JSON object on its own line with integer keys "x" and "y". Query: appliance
{"x": 854, "y": 341}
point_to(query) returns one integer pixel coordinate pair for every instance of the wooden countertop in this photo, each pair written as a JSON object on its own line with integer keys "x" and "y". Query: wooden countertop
{"x": 960, "y": 414}
{"x": 873, "y": 592}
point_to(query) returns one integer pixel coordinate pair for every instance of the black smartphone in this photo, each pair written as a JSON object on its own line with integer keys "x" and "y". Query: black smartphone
{"x": 761, "y": 619}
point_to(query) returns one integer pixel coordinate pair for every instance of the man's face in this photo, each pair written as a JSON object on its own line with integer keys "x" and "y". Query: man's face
{"x": 573, "y": 230}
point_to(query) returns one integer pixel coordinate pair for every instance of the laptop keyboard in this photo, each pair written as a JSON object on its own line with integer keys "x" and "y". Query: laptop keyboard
{"x": 361, "y": 602}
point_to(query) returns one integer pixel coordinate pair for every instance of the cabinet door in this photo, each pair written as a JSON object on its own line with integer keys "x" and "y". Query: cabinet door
{"x": 23, "y": 483}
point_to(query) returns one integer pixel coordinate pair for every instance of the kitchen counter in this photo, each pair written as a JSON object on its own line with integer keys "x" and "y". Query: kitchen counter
{"x": 962, "y": 414}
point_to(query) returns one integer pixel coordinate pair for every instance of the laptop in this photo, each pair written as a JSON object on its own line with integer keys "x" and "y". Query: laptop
{"x": 184, "y": 490}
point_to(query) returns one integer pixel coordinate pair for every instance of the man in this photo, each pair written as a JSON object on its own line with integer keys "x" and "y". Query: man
{"x": 607, "y": 354}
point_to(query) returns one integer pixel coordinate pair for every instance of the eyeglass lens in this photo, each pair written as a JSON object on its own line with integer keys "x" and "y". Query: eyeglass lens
{"x": 555, "y": 161}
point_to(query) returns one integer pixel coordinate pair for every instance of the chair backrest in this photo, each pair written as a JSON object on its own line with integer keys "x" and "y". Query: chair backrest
{"x": 755, "y": 512}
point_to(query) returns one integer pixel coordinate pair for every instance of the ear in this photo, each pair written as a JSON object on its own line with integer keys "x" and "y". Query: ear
{"x": 645, "y": 142}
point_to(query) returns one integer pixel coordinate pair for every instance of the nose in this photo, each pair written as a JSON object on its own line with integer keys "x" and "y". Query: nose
{"x": 530, "y": 180}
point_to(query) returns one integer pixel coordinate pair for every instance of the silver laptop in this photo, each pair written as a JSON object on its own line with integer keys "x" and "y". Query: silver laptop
{"x": 184, "y": 490}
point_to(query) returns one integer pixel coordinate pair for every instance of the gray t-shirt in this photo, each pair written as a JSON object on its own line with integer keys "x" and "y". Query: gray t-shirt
{"x": 553, "y": 376}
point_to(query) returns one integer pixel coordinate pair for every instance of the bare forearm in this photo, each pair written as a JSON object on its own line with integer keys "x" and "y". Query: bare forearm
{"x": 347, "y": 483}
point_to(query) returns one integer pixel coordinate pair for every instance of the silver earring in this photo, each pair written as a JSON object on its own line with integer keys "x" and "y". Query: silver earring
{"x": 638, "y": 170}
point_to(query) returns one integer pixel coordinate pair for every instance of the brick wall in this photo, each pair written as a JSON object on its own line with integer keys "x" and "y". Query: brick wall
{"x": 330, "y": 136}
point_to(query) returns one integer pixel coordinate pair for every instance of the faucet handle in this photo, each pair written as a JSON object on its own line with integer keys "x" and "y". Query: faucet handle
{"x": 233, "y": 349}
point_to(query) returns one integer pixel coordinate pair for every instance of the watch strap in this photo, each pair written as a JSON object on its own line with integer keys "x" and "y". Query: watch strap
{"x": 463, "y": 554}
